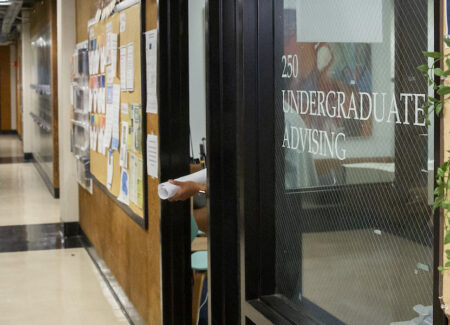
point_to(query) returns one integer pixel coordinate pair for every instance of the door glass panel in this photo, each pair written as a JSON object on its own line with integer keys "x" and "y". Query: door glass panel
{"x": 354, "y": 160}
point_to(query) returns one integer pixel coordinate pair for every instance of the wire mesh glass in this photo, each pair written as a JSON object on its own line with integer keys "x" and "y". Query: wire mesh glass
{"x": 354, "y": 160}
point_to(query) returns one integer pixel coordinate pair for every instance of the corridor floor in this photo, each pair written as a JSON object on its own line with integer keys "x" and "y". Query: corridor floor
{"x": 44, "y": 277}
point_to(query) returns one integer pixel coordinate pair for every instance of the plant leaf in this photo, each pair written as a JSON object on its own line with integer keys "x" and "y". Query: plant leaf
{"x": 447, "y": 41}
{"x": 447, "y": 238}
{"x": 444, "y": 90}
{"x": 423, "y": 68}
{"x": 434, "y": 55}
{"x": 438, "y": 72}
{"x": 438, "y": 109}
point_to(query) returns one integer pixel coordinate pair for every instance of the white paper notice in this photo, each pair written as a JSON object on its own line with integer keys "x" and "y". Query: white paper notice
{"x": 109, "y": 74}
{"x": 109, "y": 27}
{"x": 108, "y": 48}
{"x": 124, "y": 108}
{"x": 95, "y": 99}
{"x": 130, "y": 67}
{"x": 152, "y": 155}
{"x": 103, "y": 100}
{"x": 90, "y": 99}
{"x": 123, "y": 22}
{"x": 123, "y": 145}
{"x": 113, "y": 43}
{"x": 115, "y": 114}
{"x": 151, "y": 41}
{"x": 109, "y": 116}
{"x": 124, "y": 195}
{"x": 123, "y": 68}
{"x": 102, "y": 59}
{"x": 94, "y": 138}
{"x": 110, "y": 169}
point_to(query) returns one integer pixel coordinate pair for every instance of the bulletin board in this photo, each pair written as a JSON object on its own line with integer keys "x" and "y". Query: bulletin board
{"x": 127, "y": 25}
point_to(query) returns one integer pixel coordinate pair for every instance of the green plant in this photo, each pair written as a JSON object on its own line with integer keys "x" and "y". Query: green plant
{"x": 436, "y": 105}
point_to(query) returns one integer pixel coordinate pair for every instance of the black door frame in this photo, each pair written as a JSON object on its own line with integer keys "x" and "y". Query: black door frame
{"x": 240, "y": 89}
{"x": 223, "y": 75}
{"x": 173, "y": 90}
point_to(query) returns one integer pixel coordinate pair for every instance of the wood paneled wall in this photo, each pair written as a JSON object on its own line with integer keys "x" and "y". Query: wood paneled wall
{"x": 5, "y": 88}
{"x": 132, "y": 253}
{"x": 19, "y": 87}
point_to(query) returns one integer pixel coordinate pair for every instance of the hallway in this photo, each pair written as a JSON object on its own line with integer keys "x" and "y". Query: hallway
{"x": 45, "y": 278}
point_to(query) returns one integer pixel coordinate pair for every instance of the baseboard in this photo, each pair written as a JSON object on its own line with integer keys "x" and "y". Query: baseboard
{"x": 126, "y": 306}
{"x": 8, "y": 132}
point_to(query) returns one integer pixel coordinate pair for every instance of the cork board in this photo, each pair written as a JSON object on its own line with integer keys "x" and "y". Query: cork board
{"x": 98, "y": 164}
{"x": 152, "y": 123}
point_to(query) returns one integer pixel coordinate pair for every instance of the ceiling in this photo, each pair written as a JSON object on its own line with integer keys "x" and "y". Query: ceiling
{"x": 4, "y": 5}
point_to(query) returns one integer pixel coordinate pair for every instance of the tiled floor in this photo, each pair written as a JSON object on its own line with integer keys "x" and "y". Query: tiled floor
{"x": 10, "y": 146}
{"x": 46, "y": 278}
{"x": 24, "y": 199}
{"x": 54, "y": 287}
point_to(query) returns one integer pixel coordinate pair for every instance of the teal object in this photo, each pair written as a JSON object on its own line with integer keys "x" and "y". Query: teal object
{"x": 194, "y": 228}
{"x": 199, "y": 261}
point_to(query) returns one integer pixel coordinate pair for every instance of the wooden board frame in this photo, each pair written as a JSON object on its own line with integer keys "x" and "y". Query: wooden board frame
{"x": 99, "y": 174}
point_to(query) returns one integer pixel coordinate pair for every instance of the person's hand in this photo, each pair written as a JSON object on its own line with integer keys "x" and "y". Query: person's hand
{"x": 186, "y": 190}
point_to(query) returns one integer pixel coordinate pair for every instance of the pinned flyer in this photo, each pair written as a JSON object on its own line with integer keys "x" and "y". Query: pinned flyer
{"x": 151, "y": 44}
{"x": 152, "y": 155}
{"x": 130, "y": 67}
{"x": 124, "y": 195}
{"x": 123, "y": 22}
{"x": 123, "y": 145}
{"x": 123, "y": 68}
{"x": 110, "y": 169}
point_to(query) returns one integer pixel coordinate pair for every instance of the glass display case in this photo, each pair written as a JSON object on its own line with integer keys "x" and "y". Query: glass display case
{"x": 41, "y": 110}
{"x": 80, "y": 134}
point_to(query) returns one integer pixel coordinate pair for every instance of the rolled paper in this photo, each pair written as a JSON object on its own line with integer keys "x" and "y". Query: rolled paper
{"x": 167, "y": 190}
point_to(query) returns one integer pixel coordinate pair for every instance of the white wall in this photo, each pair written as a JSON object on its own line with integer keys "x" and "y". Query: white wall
{"x": 68, "y": 185}
{"x": 13, "y": 77}
{"x": 28, "y": 124}
{"x": 197, "y": 73}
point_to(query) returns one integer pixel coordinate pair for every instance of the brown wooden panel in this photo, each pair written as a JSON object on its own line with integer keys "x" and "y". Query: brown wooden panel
{"x": 5, "y": 89}
{"x": 19, "y": 87}
{"x": 132, "y": 254}
{"x": 151, "y": 20}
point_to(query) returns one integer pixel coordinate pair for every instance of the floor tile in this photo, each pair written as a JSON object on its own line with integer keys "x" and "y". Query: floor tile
{"x": 24, "y": 198}
{"x": 55, "y": 287}
{"x": 10, "y": 146}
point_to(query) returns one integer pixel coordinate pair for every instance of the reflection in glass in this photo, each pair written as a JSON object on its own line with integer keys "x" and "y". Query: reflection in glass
{"x": 42, "y": 146}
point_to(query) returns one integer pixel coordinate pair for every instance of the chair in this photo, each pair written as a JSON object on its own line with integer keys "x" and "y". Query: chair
{"x": 199, "y": 265}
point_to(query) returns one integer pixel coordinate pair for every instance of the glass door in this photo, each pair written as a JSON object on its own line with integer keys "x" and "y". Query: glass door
{"x": 340, "y": 228}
